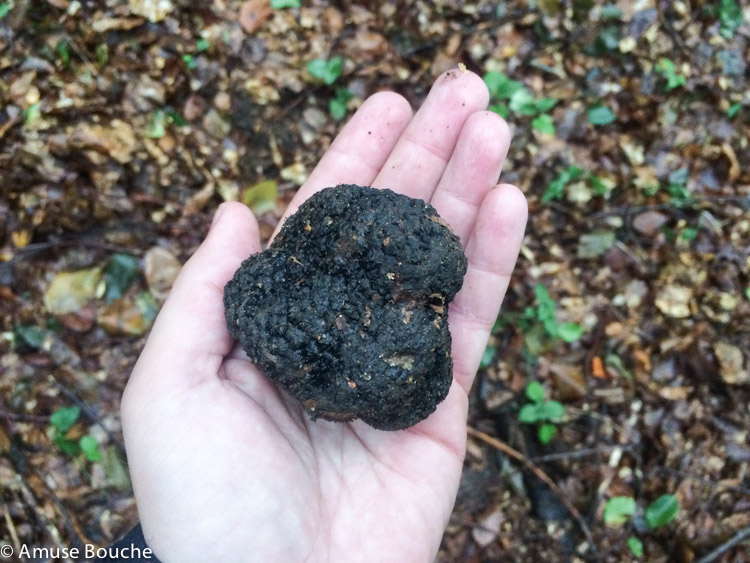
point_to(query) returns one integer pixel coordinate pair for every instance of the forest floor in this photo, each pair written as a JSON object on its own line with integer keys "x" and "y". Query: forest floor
{"x": 124, "y": 125}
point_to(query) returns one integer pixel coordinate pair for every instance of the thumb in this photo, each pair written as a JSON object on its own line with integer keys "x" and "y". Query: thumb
{"x": 189, "y": 338}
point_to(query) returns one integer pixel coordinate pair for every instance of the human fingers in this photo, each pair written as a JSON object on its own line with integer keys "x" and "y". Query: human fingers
{"x": 419, "y": 158}
{"x": 472, "y": 171}
{"x": 492, "y": 251}
{"x": 189, "y": 338}
{"x": 360, "y": 149}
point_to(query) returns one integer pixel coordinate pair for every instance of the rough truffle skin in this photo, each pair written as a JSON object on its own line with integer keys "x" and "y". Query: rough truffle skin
{"x": 347, "y": 308}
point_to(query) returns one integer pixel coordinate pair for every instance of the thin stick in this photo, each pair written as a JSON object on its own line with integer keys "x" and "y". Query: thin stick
{"x": 583, "y": 452}
{"x": 11, "y": 528}
{"x": 531, "y": 466}
{"x": 736, "y": 539}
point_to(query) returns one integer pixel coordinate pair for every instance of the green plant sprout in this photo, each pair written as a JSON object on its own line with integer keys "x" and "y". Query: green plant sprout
{"x": 662, "y": 511}
{"x": 556, "y": 188}
{"x": 541, "y": 411}
{"x": 280, "y": 4}
{"x": 666, "y": 69}
{"x": 545, "y": 313}
{"x": 507, "y": 95}
{"x": 337, "y": 105}
{"x": 730, "y": 18}
{"x": 601, "y": 115}
{"x": 328, "y": 71}
{"x": 63, "y": 420}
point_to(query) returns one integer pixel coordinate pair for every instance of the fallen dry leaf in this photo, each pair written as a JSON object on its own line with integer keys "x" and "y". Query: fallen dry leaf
{"x": 69, "y": 291}
{"x": 730, "y": 364}
{"x": 153, "y": 10}
{"x": 674, "y": 301}
{"x": 253, "y": 14}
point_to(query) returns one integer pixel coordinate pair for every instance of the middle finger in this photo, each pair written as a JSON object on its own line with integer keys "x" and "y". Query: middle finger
{"x": 419, "y": 158}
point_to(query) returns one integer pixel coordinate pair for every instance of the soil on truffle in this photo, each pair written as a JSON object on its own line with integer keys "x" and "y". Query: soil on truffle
{"x": 347, "y": 308}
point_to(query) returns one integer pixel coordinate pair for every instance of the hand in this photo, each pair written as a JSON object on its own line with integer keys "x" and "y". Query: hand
{"x": 225, "y": 467}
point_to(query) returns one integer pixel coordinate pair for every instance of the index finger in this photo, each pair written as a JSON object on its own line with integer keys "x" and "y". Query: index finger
{"x": 360, "y": 149}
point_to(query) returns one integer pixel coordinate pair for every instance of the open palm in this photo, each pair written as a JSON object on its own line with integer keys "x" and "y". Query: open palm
{"x": 225, "y": 466}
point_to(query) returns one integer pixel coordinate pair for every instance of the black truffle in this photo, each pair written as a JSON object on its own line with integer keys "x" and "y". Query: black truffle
{"x": 347, "y": 308}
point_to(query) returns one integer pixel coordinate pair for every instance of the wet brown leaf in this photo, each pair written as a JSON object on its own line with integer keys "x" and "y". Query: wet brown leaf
{"x": 253, "y": 14}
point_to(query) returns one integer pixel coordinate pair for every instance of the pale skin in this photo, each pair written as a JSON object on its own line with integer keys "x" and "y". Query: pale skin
{"x": 225, "y": 467}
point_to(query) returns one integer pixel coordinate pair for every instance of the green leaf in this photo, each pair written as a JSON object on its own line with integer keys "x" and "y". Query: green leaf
{"x": 261, "y": 197}
{"x": 734, "y": 110}
{"x": 202, "y": 44}
{"x": 337, "y": 109}
{"x": 119, "y": 274}
{"x": 522, "y": 102}
{"x": 176, "y": 118}
{"x": 535, "y": 392}
{"x": 31, "y": 335}
{"x": 64, "y": 418}
{"x": 68, "y": 446}
{"x": 618, "y": 510}
{"x": 63, "y": 50}
{"x": 326, "y": 70}
{"x": 90, "y": 448}
{"x": 551, "y": 410}
{"x": 337, "y": 106}
{"x": 487, "y": 357}
{"x": 33, "y": 113}
{"x": 500, "y": 86}
{"x": 189, "y": 61}
{"x": 156, "y": 126}
{"x": 662, "y": 511}
{"x": 679, "y": 192}
{"x": 570, "y": 332}
{"x": 600, "y": 188}
{"x": 4, "y": 9}
{"x": 688, "y": 234}
{"x": 601, "y": 115}
{"x": 666, "y": 68}
{"x": 102, "y": 54}
{"x": 546, "y": 433}
{"x": 556, "y": 188}
{"x": 545, "y": 309}
{"x": 730, "y": 17}
{"x": 544, "y": 124}
{"x": 529, "y": 414}
{"x": 636, "y": 546}
{"x": 500, "y": 109}
{"x": 280, "y": 4}
{"x": 610, "y": 12}
{"x": 545, "y": 104}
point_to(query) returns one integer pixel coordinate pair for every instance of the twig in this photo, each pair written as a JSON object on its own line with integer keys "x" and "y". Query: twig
{"x": 583, "y": 452}
{"x": 11, "y": 528}
{"x": 736, "y": 539}
{"x": 531, "y": 466}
